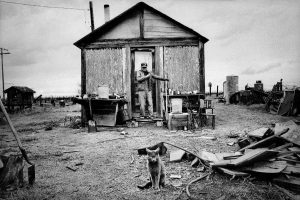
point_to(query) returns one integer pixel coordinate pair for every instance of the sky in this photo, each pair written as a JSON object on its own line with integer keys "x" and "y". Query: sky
{"x": 253, "y": 39}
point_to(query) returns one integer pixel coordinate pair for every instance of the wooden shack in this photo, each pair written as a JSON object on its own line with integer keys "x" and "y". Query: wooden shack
{"x": 18, "y": 96}
{"x": 111, "y": 55}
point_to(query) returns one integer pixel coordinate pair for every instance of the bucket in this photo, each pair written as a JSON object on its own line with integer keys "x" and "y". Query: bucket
{"x": 103, "y": 92}
{"x": 176, "y": 105}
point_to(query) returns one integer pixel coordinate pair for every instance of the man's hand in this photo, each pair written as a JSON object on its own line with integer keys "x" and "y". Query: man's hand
{"x": 166, "y": 79}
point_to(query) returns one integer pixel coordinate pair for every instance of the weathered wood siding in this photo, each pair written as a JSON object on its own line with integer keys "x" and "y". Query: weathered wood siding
{"x": 104, "y": 67}
{"x": 157, "y": 26}
{"x": 181, "y": 64}
{"x": 129, "y": 28}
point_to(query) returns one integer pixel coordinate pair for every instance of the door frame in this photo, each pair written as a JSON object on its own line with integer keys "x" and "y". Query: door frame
{"x": 154, "y": 88}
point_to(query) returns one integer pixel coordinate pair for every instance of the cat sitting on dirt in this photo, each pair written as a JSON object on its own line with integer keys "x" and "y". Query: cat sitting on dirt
{"x": 156, "y": 169}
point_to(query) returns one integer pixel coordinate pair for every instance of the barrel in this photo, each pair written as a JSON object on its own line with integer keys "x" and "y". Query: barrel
{"x": 103, "y": 91}
{"x": 232, "y": 86}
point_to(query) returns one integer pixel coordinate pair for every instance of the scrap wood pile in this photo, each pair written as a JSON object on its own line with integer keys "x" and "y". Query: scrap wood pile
{"x": 271, "y": 154}
{"x": 274, "y": 156}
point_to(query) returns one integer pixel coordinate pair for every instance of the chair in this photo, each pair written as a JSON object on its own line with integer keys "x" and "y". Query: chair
{"x": 206, "y": 104}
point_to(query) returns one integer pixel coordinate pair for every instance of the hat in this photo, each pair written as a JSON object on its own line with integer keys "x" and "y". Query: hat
{"x": 144, "y": 64}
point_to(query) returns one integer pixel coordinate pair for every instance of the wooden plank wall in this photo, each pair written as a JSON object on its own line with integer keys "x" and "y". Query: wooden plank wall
{"x": 129, "y": 28}
{"x": 104, "y": 67}
{"x": 182, "y": 67}
{"x": 157, "y": 26}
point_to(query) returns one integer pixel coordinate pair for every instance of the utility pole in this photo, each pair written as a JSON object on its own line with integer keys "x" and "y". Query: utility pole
{"x": 92, "y": 16}
{"x": 2, "y": 67}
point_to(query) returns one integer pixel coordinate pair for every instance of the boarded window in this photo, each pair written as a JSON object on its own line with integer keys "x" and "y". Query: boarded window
{"x": 104, "y": 67}
{"x": 182, "y": 67}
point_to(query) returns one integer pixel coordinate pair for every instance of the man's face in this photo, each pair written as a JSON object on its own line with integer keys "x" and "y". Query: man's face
{"x": 144, "y": 68}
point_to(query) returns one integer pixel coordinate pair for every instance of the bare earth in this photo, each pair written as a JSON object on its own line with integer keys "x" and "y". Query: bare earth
{"x": 108, "y": 166}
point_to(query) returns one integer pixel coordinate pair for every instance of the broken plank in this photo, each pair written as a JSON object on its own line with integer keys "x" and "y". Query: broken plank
{"x": 233, "y": 173}
{"x": 267, "y": 167}
{"x": 207, "y": 156}
{"x": 265, "y": 142}
{"x": 177, "y": 155}
{"x": 228, "y": 155}
{"x": 254, "y": 156}
{"x": 292, "y": 183}
{"x": 283, "y": 146}
{"x": 259, "y": 133}
{"x": 292, "y": 169}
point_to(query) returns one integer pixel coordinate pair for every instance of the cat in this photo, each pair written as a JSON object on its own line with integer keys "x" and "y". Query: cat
{"x": 156, "y": 169}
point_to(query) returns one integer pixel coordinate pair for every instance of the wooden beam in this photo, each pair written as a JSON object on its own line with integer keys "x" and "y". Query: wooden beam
{"x": 158, "y": 72}
{"x": 128, "y": 80}
{"x": 201, "y": 67}
{"x": 83, "y": 84}
{"x": 162, "y": 73}
{"x": 137, "y": 42}
{"x": 142, "y": 24}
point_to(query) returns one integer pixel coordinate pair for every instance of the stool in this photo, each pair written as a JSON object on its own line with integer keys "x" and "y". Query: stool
{"x": 178, "y": 120}
{"x": 203, "y": 119}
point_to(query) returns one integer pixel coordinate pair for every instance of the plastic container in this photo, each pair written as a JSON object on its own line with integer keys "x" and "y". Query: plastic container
{"x": 103, "y": 92}
{"x": 176, "y": 104}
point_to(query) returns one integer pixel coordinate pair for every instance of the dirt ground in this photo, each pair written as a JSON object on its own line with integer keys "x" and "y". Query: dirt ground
{"x": 108, "y": 166}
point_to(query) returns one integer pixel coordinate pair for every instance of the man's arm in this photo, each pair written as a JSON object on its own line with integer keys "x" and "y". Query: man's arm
{"x": 140, "y": 77}
{"x": 159, "y": 78}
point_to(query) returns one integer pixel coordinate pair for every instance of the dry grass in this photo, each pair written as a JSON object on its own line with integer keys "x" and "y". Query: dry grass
{"x": 108, "y": 172}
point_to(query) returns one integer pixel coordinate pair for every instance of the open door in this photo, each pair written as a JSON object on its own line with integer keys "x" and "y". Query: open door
{"x": 138, "y": 56}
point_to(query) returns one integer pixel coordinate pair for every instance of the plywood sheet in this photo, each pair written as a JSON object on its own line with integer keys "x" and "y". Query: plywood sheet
{"x": 181, "y": 66}
{"x": 104, "y": 67}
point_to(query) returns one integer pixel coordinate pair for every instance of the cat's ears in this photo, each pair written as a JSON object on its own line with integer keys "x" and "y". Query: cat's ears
{"x": 155, "y": 151}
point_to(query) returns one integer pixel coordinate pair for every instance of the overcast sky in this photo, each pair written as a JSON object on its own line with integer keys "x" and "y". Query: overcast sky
{"x": 254, "y": 39}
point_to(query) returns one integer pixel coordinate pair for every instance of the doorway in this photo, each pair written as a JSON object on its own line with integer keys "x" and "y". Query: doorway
{"x": 138, "y": 56}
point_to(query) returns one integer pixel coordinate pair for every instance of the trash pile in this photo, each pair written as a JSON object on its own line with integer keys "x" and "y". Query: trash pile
{"x": 271, "y": 154}
{"x": 274, "y": 155}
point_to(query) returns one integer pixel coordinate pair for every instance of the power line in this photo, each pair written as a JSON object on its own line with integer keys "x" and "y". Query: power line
{"x": 35, "y": 5}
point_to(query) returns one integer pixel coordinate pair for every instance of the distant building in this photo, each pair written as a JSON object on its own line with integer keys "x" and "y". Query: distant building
{"x": 112, "y": 54}
{"x": 19, "y": 96}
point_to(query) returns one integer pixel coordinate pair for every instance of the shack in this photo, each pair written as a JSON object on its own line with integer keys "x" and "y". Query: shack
{"x": 111, "y": 55}
{"x": 19, "y": 96}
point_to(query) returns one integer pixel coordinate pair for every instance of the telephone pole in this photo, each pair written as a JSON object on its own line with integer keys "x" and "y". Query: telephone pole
{"x": 1, "y": 52}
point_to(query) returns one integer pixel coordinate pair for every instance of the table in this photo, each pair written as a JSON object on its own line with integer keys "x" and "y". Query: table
{"x": 103, "y": 111}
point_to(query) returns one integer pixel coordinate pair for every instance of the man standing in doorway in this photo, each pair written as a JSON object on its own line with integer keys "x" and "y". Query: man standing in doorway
{"x": 145, "y": 78}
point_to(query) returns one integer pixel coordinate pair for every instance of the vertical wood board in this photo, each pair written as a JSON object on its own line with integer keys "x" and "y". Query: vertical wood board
{"x": 128, "y": 80}
{"x": 128, "y": 28}
{"x": 157, "y": 26}
{"x": 181, "y": 64}
{"x": 104, "y": 67}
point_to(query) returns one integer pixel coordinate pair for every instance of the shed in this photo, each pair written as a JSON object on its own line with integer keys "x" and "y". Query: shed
{"x": 19, "y": 96}
{"x": 111, "y": 55}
